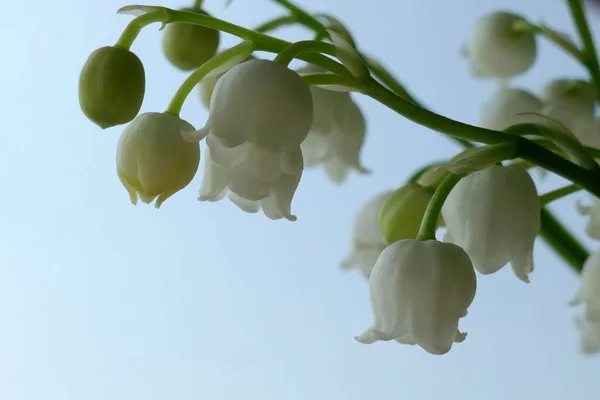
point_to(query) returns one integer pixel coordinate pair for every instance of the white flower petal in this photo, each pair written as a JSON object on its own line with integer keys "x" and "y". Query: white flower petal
{"x": 225, "y": 156}
{"x": 214, "y": 180}
{"x": 248, "y": 206}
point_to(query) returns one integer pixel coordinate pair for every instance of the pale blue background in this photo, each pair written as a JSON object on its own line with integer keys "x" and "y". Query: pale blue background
{"x": 103, "y": 300}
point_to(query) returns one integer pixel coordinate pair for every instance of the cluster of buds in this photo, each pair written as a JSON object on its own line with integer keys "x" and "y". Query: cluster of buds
{"x": 266, "y": 124}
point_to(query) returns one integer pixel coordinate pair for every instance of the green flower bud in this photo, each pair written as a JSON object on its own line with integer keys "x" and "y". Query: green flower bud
{"x": 402, "y": 211}
{"x": 154, "y": 161}
{"x": 111, "y": 86}
{"x": 189, "y": 46}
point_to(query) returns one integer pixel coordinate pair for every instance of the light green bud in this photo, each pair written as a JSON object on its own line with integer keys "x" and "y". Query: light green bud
{"x": 111, "y": 86}
{"x": 402, "y": 211}
{"x": 189, "y": 46}
{"x": 154, "y": 161}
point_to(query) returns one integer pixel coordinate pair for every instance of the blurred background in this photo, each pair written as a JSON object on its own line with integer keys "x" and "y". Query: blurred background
{"x": 103, "y": 300}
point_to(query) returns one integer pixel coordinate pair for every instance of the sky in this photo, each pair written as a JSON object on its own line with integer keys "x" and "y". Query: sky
{"x": 100, "y": 299}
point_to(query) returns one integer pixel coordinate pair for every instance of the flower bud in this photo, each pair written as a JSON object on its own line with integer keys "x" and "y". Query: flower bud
{"x": 402, "y": 211}
{"x": 188, "y": 46}
{"x": 153, "y": 159}
{"x": 496, "y": 49}
{"x": 111, "y": 86}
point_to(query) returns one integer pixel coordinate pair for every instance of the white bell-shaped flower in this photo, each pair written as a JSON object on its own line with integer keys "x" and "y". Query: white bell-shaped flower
{"x": 589, "y": 332}
{"x": 260, "y": 113}
{"x": 419, "y": 291}
{"x": 592, "y": 228}
{"x": 337, "y": 134}
{"x": 496, "y": 50}
{"x": 589, "y": 289}
{"x": 367, "y": 240}
{"x": 570, "y": 103}
{"x": 494, "y": 214}
{"x": 507, "y": 106}
{"x": 261, "y": 102}
{"x": 252, "y": 178}
{"x": 153, "y": 159}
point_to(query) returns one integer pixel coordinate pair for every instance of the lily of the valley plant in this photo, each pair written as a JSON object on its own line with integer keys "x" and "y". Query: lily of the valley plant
{"x": 422, "y": 244}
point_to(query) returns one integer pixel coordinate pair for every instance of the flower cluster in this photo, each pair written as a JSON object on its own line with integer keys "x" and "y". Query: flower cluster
{"x": 266, "y": 124}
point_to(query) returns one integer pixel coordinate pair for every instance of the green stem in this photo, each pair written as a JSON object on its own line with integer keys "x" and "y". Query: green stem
{"x": 564, "y": 140}
{"x": 276, "y": 23}
{"x": 527, "y": 150}
{"x": 241, "y": 51}
{"x": 559, "y": 193}
{"x": 386, "y": 77}
{"x": 553, "y": 36}
{"x": 198, "y": 4}
{"x": 589, "y": 48}
{"x": 430, "y": 220}
{"x": 261, "y": 41}
{"x": 304, "y": 17}
{"x": 134, "y": 27}
{"x": 562, "y": 242}
{"x": 302, "y": 47}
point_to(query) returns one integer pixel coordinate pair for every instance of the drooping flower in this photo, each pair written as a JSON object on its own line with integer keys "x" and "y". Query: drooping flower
{"x": 496, "y": 49}
{"x": 154, "y": 161}
{"x": 402, "y": 211}
{"x": 419, "y": 291}
{"x": 111, "y": 86}
{"x": 260, "y": 112}
{"x": 367, "y": 241}
{"x": 188, "y": 46}
{"x": 589, "y": 289}
{"x": 337, "y": 134}
{"x": 589, "y": 332}
{"x": 569, "y": 102}
{"x": 494, "y": 214}
{"x": 507, "y": 106}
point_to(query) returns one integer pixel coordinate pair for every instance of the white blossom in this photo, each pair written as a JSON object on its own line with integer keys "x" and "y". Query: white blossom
{"x": 589, "y": 332}
{"x": 337, "y": 133}
{"x": 419, "y": 291}
{"x": 367, "y": 241}
{"x": 260, "y": 112}
{"x": 589, "y": 289}
{"x": 496, "y": 50}
{"x": 494, "y": 214}
{"x": 153, "y": 159}
{"x": 569, "y": 102}
{"x": 506, "y": 106}
{"x": 261, "y": 102}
